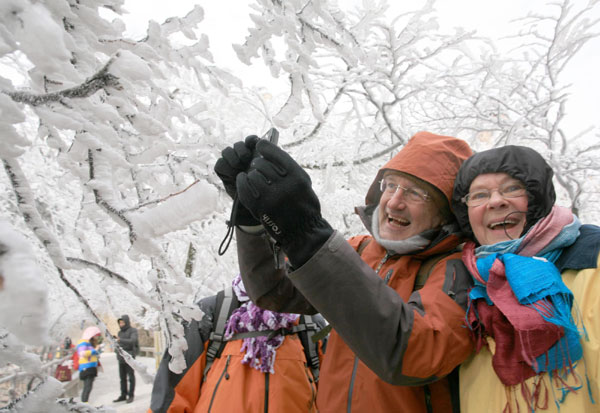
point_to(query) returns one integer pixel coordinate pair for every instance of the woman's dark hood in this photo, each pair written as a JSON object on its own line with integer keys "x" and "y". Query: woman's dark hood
{"x": 520, "y": 162}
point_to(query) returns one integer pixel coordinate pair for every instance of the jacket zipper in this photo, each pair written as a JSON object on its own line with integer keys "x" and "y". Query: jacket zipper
{"x": 355, "y": 367}
{"x": 267, "y": 392}
{"x": 312, "y": 389}
{"x": 383, "y": 261}
{"x": 350, "y": 390}
{"x": 428, "y": 404}
{"x": 223, "y": 374}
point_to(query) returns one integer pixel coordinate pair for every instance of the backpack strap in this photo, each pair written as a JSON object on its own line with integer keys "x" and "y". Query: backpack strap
{"x": 426, "y": 268}
{"x": 363, "y": 245}
{"x": 311, "y": 351}
{"x": 226, "y": 303}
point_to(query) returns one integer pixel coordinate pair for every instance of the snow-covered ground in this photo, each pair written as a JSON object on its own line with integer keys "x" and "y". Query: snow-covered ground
{"x": 107, "y": 386}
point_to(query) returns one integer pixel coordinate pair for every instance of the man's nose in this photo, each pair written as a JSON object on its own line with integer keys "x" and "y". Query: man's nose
{"x": 398, "y": 197}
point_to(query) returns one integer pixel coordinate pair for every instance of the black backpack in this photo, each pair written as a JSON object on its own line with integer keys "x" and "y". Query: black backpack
{"x": 227, "y": 302}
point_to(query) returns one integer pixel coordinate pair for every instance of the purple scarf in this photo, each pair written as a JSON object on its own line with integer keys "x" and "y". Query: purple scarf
{"x": 261, "y": 350}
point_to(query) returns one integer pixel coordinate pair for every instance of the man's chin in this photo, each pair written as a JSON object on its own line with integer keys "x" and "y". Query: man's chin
{"x": 395, "y": 234}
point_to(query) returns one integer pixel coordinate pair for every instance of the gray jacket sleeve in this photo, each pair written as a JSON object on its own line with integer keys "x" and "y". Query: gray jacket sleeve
{"x": 267, "y": 286}
{"x": 377, "y": 324}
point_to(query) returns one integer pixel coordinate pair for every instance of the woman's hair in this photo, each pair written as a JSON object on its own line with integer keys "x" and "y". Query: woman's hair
{"x": 520, "y": 162}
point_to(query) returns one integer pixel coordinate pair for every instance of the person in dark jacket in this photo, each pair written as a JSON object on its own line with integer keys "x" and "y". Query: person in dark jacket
{"x": 128, "y": 341}
{"x": 395, "y": 343}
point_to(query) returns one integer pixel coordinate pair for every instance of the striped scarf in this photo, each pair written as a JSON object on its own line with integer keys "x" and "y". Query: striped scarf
{"x": 520, "y": 300}
{"x": 261, "y": 350}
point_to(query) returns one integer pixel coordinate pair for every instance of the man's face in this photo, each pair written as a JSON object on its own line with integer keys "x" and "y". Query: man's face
{"x": 500, "y": 218}
{"x": 400, "y": 218}
{"x": 121, "y": 323}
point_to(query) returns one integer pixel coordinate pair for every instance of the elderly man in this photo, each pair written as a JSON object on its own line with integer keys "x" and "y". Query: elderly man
{"x": 396, "y": 298}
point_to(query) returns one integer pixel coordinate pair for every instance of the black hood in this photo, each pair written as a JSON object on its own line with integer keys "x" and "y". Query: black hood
{"x": 125, "y": 318}
{"x": 520, "y": 162}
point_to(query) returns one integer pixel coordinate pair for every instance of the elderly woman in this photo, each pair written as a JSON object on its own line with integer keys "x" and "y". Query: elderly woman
{"x": 534, "y": 307}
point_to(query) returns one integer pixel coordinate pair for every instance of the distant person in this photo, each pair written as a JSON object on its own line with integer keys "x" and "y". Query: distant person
{"x": 242, "y": 359}
{"x": 67, "y": 346}
{"x": 63, "y": 371}
{"x": 88, "y": 359}
{"x": 128, "y": 340}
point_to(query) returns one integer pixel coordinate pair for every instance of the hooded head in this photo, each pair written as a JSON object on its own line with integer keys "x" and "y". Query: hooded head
{"x": 125, "y": 319}
{"x": 429, "y": 160}
{"x": 432, "y": 159}
{"x": 427, "y": 165}
{"x": 519, "y": 162}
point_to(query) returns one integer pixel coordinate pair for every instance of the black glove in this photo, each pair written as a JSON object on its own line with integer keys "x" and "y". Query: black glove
{"x": 278, "y": 192}
{"x": 234, "y": 160}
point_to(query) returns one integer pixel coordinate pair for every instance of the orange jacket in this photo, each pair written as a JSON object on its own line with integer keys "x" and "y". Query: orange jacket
{"x": 231, "y": 386}
{"x": 420, "y": 355}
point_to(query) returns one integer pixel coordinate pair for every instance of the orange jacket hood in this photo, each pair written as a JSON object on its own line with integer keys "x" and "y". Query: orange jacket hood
{"x": 429, "y": 157}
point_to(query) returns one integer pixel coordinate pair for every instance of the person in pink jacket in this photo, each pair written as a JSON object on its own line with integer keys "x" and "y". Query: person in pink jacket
{"x": 88, "y": 359}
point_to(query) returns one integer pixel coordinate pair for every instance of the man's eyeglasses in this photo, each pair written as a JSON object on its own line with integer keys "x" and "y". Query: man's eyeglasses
{"x": 413, "y": 194}
{"x": 482, "y": 196}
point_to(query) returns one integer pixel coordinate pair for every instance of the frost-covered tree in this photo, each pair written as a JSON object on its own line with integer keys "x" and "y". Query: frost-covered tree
{"x": 108, "y": 143}
{"x": 23, "y": 318}
{"x": 362, "y": 82}
{"x": 524, "y": 99}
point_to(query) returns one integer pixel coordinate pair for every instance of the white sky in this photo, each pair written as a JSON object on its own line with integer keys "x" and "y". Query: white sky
{"x": 226, "y": 23}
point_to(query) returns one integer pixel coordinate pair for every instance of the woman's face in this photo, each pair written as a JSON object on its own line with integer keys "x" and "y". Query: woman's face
{"x": 500, "y": 218}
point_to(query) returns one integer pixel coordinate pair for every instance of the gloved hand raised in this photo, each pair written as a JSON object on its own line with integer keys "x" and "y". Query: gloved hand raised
{"x": 278, "y": 192}
{"x": 234, "y": 160}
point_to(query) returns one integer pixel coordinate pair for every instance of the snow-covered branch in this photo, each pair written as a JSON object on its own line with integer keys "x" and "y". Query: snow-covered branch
{"x": 101, "y": 80}
{"x": 137, "y": 291}
{"x": 27, "y": 206}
